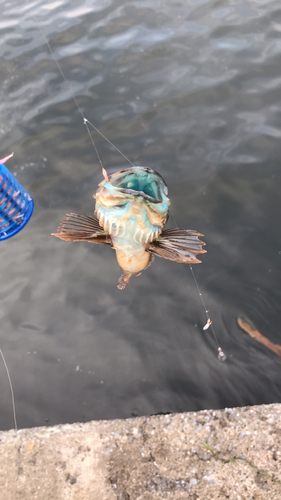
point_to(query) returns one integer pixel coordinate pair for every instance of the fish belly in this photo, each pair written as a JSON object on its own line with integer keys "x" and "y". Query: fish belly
{"x": 131, "y": 256}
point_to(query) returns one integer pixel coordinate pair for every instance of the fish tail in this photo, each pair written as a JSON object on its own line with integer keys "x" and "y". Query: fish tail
{"x": 123, "y": 281}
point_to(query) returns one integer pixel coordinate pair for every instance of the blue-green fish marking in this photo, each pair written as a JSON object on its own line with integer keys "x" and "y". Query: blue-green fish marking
{"x": 132, "y": 207}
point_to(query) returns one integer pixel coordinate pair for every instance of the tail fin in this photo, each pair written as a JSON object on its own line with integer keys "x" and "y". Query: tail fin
{"x": 123, "y": 281}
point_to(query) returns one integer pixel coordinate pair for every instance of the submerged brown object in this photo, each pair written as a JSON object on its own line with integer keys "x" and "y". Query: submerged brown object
{"x": 259, "y": 337}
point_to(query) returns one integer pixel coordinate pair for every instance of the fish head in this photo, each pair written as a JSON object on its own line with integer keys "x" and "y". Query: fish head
{"x": 133, "y": 203}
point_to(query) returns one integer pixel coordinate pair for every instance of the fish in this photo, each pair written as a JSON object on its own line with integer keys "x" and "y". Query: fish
{"x": 132, "y": 208}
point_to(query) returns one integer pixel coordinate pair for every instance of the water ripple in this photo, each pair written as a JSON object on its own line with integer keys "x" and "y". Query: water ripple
{"x": 191, "y": 89}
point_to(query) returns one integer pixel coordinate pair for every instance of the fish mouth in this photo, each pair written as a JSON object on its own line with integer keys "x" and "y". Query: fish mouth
{"x": 140, "y": 181}
{"x": 133, "y": 203}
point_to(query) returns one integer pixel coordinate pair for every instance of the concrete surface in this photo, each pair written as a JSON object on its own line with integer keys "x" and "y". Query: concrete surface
{"x": 148, "y": 458}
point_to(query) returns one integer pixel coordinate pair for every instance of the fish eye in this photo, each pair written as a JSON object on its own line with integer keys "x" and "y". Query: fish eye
{"x": 130, "y": 184}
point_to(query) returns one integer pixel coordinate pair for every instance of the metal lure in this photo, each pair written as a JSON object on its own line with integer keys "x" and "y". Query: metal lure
{"x": 132, "y": 207}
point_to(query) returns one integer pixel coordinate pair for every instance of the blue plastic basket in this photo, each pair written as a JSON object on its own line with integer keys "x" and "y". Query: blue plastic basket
{"x": 16, "y": 205}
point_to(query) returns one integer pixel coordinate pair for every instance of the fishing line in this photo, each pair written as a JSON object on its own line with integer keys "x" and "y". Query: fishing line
{"x": 85, "y": 120}
{"x": 11, "y": 388}
{"x": 106, "y": 138}
{"x": 221, "y": 355}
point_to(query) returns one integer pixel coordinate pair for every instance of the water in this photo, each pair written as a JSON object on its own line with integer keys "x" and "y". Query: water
{"x": 191, "y": 89}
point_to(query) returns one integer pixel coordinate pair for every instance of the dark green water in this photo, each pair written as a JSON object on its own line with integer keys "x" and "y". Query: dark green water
{"x": 192, "y": 89}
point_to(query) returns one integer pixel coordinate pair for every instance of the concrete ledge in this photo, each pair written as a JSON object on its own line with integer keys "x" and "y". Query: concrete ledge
{"x": 224, "y": 454}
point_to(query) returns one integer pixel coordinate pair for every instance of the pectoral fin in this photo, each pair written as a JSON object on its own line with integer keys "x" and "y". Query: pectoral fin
{"x": 179, "y": 245}
{"x": 77, "y": 227}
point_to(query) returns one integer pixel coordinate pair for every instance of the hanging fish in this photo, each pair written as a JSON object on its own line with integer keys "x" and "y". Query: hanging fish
{"x": 132, "y": 207}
